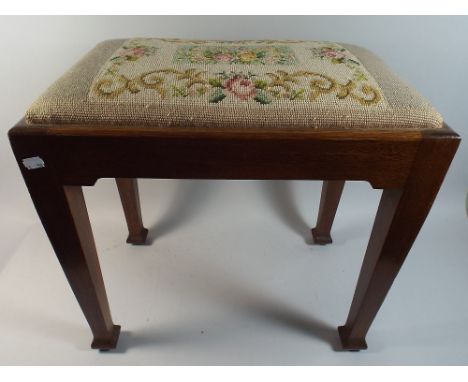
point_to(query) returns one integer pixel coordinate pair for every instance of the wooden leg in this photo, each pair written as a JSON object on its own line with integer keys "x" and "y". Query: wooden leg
{"x": 400, "y": 216}
{"x": 128, "y": 190}
{"x": 331, "y": 194}
{"x": 63, "y": 213}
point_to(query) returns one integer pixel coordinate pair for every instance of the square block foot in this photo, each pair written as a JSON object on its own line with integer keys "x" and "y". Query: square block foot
{"x": 320, "y": 238}
{"x": 350, "y": 345}
{"x": 108, "y": 343}
{"x": 139, "y": 239}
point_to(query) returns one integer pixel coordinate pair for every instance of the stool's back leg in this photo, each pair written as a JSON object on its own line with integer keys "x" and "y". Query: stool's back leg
{"x": 128, "y": 191}
{"x": 331, "y": 194}
{"x": 400, "y": 216}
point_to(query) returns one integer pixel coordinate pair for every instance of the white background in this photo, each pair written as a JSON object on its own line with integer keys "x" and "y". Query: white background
{"x": 231, "y": 278}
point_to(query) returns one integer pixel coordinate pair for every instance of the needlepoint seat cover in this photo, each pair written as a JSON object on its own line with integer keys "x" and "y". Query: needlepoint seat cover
{"x": 250, "y": 83}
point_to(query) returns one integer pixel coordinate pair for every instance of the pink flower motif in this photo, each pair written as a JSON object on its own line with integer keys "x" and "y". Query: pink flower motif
{"x": 138, "y": 52}
{"x": 241, "y": 87}
{"x": 333, "y": 53}
{"x": 223, "y": 57}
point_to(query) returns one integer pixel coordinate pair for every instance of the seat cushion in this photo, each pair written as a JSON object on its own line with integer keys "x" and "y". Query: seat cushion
{"x": 249, "y": 83}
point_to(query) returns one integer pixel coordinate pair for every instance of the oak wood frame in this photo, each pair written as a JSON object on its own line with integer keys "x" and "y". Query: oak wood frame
{"x": 409, "y": 165}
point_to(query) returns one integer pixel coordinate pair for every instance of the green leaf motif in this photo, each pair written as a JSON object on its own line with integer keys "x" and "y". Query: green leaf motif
{"x": 359, "y": 76}
{"x": 337, "y": 60}
{"x": 297, "y": 94}
{"x": 179, "y": 91}
{"x": 262, "y": 97}
{"x": 208, "y": 54}
{"x": 215, "y": 82}
{"x": 261, "y": 84}
{"x": 216, "y": 96}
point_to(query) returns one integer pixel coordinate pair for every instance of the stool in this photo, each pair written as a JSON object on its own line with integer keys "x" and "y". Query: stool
{"x": 250, "y": 109}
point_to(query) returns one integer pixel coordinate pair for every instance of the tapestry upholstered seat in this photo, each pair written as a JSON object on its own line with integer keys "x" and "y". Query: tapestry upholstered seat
{"x": 252, "y": 109}
{"x": 249, "y": 83}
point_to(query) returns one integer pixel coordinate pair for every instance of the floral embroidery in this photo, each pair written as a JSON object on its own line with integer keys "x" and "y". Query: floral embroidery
{"x": 241, "y": 86}
{"x": 179, "y": 40}
{"x": 133, "y": 50}
{"x": 338, "y": 55}
{"x": 248, "y": 54}
{"x": 147, "y": 70}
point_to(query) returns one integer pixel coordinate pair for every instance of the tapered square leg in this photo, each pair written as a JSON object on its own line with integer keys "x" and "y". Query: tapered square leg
{"x": 65, "y": 218}
{"x": 350, "y": 344}
{"x": 399, "y": 218}
{"x": 331, "y": 194}
{"x": 63, "y": 213}
{"x": 107, "y": 343}
{"x": 128, "y": 191}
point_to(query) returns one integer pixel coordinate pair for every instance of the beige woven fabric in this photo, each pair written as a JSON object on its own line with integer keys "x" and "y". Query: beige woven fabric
{"x": 249, "y": 83}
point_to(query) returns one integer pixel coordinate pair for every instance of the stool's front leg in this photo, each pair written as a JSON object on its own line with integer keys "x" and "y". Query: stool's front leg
{"x": 128, "y": 191}
{"x": 63, "y": 213}
{"x": 331, "y": 194}
{"x": 400, "y": 215}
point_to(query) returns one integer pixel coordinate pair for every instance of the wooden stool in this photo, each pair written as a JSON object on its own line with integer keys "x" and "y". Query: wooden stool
{"x": 259, "y": 109}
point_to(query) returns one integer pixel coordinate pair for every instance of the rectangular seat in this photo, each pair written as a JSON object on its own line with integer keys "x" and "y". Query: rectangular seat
{"x": 250, "y": 83}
